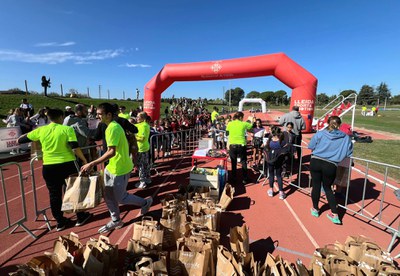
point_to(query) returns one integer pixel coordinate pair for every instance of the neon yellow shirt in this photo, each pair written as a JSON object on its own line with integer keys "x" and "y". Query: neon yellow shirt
{"x": 54, "y": 139}
{"x": 214, "y": 116}
{"x": 121, "y": 163}
{"x": 124, "y": 115}
{"x": 143, "y": 131}
{"x": 237, "y": 130}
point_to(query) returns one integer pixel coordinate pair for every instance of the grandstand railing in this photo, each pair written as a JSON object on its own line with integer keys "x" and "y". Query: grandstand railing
{"x": 363, "y": 168}
{"x": 18, "y": 222}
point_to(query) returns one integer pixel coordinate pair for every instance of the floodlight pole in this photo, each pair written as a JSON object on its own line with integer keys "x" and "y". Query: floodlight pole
{"x": 99, "y": 91}
{"x": 26, "y": 87}
{"x": 108, "y": 93}
{"x": 62, "y": 91}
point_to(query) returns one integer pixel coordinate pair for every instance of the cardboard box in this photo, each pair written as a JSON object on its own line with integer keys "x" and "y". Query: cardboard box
{"x": 205, "y": 180}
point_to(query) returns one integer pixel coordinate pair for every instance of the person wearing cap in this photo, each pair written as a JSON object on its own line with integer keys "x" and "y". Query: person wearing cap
{"x": 236, "y": 132}
{"x": 68, "y": 111}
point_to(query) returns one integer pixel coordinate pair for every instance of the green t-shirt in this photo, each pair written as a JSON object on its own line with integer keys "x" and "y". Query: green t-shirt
{"x": 214, "y": 116}
{"x": 124, "y": 115}
{"x": 121, "y": 163}
{"x": 237, "y": 130}
{"x": 54, "y": 139}
{"x": 143, "y": 131}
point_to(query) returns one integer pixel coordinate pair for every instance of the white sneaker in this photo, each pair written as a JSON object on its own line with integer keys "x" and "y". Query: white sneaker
{"x": 146, "y": 206}
{"x": 270, "y": 193}
{"x": 282, "y": 195}
{"x": 111, "y": 225}
{"x": 141, "y": 185}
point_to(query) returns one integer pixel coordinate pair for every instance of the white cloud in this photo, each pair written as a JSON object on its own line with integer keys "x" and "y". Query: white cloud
{"x": 55, "y": 44}
{"x": 136, "y": 49}
{"x": 130, "y": 65}
{"x": 58, "y": 57}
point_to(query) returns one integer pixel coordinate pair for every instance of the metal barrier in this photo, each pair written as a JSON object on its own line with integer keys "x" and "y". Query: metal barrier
{"x": 365, "y": 173}
{"x": 20, "y": 222}
{"x": 173, "y": 144}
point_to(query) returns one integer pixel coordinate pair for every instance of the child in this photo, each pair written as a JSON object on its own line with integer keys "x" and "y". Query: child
{"x": 276, "y": 151}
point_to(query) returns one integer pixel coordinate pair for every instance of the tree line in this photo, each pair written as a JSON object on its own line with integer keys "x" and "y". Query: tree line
{"x": 368, "y": 95}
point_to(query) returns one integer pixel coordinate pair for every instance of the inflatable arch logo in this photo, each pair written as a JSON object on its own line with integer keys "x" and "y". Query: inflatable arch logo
{"x": 302, "y": 83}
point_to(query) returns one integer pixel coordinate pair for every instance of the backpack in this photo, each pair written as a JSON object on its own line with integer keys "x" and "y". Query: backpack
{"x": 365, "y": 139}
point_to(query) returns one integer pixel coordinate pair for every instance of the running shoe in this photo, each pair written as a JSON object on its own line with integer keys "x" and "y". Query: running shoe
{"x": 83, "y": 220}
{"x": 270, "y": 193}
{"x": 334, "y": 218}
{"x": 141, "y": 185}
{"x": 282, "y": 195}
{"x": 314, "y": 212}
{"x": 111, "y": 225}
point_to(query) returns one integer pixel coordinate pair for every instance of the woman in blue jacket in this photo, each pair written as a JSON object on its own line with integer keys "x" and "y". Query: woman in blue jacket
{"x": 329, "y": 147}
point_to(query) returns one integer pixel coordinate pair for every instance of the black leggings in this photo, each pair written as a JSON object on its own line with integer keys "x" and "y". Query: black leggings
{"x": 275, "y": 171}
{"x": 236, "y": 151}
{"x": 323, "y": 172}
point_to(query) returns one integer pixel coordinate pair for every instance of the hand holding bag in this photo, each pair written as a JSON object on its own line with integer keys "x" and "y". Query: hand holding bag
{"x": 83, "y": 192}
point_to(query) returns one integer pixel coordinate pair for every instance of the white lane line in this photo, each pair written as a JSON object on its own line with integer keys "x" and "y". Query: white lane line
{"x": 21, "y": 241}
{"x": 375, "y": 178}
{"x": 129, "y": 228}
{"x": 303, "y": 227}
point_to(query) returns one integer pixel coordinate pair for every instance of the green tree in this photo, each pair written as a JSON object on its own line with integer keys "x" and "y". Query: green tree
{"x": 236, "y": 95}
{"x": 280, "y": 97}
{"x": 395, "y": 100}
{"x": 383, "y": 92}
{"x": 268, "y": 96}
{"x": 346, "y": 93}
{"x": 322, "y": 99}
{"x": 253, "y": 94}
{"x": 366, "y": 95}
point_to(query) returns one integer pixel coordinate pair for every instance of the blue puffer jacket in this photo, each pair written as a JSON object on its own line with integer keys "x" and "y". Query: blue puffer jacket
{"x": 332, "y": 145}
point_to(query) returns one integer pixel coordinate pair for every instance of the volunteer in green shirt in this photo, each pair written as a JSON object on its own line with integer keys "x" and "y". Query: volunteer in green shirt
{"x": 214, "y": 115}
{"x": 59, "y": 147}
{"x": 122, "y": 113}
{"x": 142, "y": 138}
{"x": 236, "y": 131}
{"x": 117, "y": 172}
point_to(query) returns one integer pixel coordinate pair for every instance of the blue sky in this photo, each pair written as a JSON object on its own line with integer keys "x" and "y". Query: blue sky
{"x": 121, "y": 45}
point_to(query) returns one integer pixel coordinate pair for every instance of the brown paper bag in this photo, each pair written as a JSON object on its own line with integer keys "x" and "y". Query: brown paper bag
{"x": 226, "y": 263}
{"x": 226, "y": 196}
{"x": 109, "y": 253}
{"x": 195, "y": 262}
{"x": 65, "y": 259}
{"x": 82, "y": 193}
{"x": 149, "y": 229}
{"x": 46, "y": 265}
{"x": 239, "y": 239}
{"x": 93, "y": 260}
{"x": 147, "y": 266}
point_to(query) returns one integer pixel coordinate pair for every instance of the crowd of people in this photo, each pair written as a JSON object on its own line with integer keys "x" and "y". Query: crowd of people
{"x": 128, "y": 145}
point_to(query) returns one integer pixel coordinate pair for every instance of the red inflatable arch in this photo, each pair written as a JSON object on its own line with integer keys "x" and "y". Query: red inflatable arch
{"x": 302, "y": 83}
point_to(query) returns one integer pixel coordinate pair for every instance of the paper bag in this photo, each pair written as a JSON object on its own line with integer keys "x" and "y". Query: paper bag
{"x": 82, "y": 193}
{"x": 93, "y": 260}
{"x": 226, "y": 263}
{"x": 239, "y": 239}
{"x": 149, "y": 229}
{"x": 226, "y": 196}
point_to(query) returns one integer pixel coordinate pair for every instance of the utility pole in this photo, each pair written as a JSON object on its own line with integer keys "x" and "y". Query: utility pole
{"x": 88, "y": 94}
{"x": 62, "y": 91}
{"x": 99, "y": 91}
{"x": 108, "y": 93}
{"x": 26, "y": 87}
{"x": 123, "y": 95}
